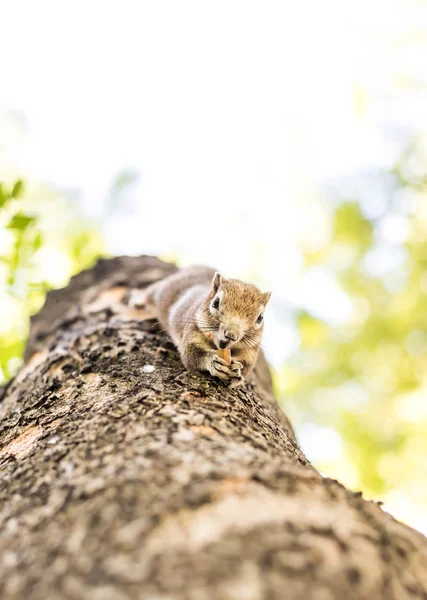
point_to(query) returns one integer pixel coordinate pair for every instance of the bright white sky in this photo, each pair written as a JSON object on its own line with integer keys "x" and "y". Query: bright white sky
{"x": 233, "y": 113}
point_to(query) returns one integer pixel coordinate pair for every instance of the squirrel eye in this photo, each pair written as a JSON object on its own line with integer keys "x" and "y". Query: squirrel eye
{"x": 260, "y": 319}
{"x": 215, "y": 303}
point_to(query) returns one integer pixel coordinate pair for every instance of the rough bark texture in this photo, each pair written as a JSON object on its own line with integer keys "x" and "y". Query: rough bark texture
{"x": 124, "y": 476}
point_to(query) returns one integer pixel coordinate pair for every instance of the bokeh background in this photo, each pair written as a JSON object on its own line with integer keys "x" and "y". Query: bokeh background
{"x": 282, "y": 142}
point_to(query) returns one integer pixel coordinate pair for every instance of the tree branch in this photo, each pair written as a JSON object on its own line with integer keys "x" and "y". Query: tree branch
{"x": 125, "y": 476}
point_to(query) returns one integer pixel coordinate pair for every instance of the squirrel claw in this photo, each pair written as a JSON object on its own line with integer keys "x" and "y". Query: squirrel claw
{"x": 236, "y": 382}
{"x": 236, "y": 365}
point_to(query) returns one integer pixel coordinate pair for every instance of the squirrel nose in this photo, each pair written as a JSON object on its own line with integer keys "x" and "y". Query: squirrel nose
{"x": 230, "y": 335}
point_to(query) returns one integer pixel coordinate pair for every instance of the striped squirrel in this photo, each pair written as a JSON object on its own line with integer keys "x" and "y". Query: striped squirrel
{"x": 204, "y": 312}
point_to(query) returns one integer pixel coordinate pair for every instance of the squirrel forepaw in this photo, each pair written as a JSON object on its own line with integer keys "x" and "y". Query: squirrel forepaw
{"x": 236, "y": 382}
{"x": 219, "y": 368}
{"x": 235, "y": 365}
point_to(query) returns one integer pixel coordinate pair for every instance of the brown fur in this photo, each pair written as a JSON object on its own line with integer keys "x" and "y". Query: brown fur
{"x": 183, "y": 304}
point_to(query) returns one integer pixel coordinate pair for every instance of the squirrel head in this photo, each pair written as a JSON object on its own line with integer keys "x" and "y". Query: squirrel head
{"x": 233, "y": 313}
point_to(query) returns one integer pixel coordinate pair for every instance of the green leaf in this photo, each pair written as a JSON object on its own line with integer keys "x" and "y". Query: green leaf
{"x": 18, "y": 189}
{"x": 20, "y": 221}
{"x": 37, "y": 241}
{"x": 3, "y": 196}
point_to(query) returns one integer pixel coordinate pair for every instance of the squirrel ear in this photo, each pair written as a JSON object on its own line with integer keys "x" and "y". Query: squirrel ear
{"x": 216, "y": 281}
{"x": 266, "y": 297}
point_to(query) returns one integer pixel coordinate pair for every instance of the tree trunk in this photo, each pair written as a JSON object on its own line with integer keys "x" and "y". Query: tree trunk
{"x": 125, "y": 476}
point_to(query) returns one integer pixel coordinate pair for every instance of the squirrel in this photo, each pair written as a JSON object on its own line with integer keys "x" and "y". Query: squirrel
{"x": 203, "y": 312}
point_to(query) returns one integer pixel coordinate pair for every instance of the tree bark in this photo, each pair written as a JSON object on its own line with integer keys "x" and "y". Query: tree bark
{"x": 125, "y": 476}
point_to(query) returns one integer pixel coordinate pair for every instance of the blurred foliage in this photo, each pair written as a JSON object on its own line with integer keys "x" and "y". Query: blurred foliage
{"x": 119, "y": 197}
{"x": 42, "y": 243}
{"x": 365, "y": 375}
